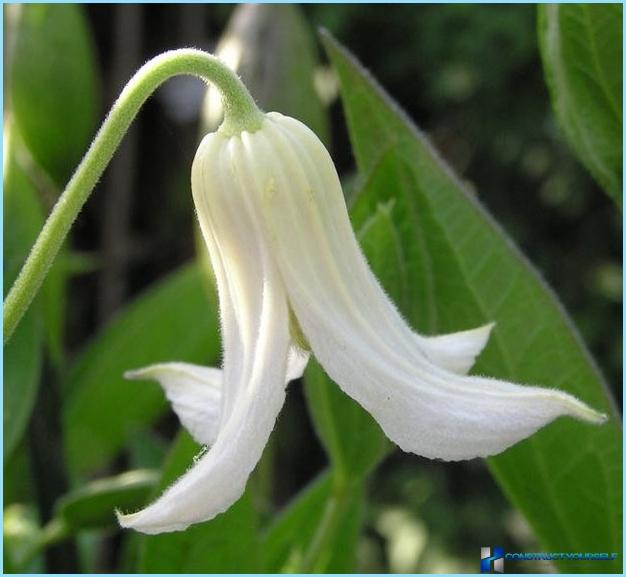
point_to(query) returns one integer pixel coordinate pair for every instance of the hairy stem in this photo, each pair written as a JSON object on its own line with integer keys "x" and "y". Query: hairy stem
{"x": 240, "y": 113}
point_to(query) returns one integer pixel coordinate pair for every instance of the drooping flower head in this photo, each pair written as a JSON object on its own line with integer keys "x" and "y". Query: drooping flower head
{"x": 273, "y": 216}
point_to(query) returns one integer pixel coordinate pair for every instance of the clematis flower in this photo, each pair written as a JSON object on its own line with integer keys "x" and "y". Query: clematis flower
{"x": 286, "y": 261}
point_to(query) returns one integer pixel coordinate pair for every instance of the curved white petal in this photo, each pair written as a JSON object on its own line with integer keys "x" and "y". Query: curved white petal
{"x": 354, "y": 331}
{"x": 255, "y": 326}
{"x": 456, "y": 352}
{"x": 196, "y": 391}
{"x": 306, "y": 165}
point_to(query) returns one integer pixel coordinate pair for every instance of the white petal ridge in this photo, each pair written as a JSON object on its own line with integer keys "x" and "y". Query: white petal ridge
{"x": 288, "y": 153}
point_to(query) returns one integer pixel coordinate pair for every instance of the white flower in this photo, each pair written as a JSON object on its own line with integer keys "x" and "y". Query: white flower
{"x": 273, "y": 216}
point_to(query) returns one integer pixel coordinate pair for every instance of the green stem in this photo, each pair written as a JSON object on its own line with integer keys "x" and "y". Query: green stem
{"x": 240, "y": 113}
{"x": 55, "y": 532}
{"x": 327, "y": 528}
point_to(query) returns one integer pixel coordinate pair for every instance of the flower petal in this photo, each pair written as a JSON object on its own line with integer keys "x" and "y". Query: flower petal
{"x": 456, "y": 352}
{"x": 254, "y": 313}
{"x": 196, "y": 391}
{"x": 305, "y": 164}
{"x": 297, "y": 361}
{"x": 355, "y": 332}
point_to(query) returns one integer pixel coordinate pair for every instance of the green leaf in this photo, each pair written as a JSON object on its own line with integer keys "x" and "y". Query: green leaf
{"x": 53, "y": 306}
{"x": 464, "y": 271}
{"x": 18, "y": 473}
{"x": 21, "y": 535}
{"x": 351, "y": 437}
{"x": 23, "y": 353}
{"x": 227, "y": 544}
{"x": 23, "y": 218}
{"x": 92, "y": 506}
{"x": 287, "y": 539}
{"x": 173, "y": 321}
{"x": 22, "y": 369}
{"x": 581, "y": 47}
{"x": 54, "y": 86}
{"x": 271, "y": 47}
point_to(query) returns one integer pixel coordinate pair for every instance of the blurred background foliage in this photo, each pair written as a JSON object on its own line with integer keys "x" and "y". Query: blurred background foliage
{"x": 471, "y": 77}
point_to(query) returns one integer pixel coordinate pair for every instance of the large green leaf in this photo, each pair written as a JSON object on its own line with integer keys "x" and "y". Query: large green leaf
{"x": 286, "y": 541}
{"x": 54, "y": 87}
{"x": 23, "y": 354}
{"x": 464, "y": 271}
{"x": 173, "y": 321}
{"x": 227, "y": 544}
{"x": 581, "y": 47}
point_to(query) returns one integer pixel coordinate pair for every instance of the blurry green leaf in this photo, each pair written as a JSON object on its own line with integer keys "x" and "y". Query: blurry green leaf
{"x": 92, "y": 506}
{"x": 22, "y": 369}
{"x": 23, "y": 353}
{"x": 272, "y": 49}
{"x": 54, "y": 85}
{"x": 173, "y": 321}
{"x": 353, "y": 440}
{"x": 17, "y": 476}
{"x": 288, "y": 538}
{"x": 78, "y": 263}
{"x": 23, "y": 219}
{"x": 581, "y": 47}
{"x": 53, "y": 306}
{"x": 463, "y": 272}
{"x": 21, "y": 536}
{"x": 146, "y": 450}
{"x": 227, "y": 544}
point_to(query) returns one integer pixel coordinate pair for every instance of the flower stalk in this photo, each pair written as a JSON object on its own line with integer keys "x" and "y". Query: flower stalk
{"x": 326, "y": 530}
{"x": 240, "y": 113}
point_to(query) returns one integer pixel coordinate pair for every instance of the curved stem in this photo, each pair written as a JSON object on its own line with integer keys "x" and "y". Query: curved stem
{"x": 240, "y": 113}
{"x": 327, "y": 528}
{"x": 56, "y": 531}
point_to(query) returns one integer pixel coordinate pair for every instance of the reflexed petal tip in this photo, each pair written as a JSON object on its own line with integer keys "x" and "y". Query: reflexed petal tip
{"x": 457, "y": 352}
{"x": 575, "y": 408}
{"x": 124, "y": 519}
{"x": 296, "y": 362}
{"x": 195, "y": 393}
